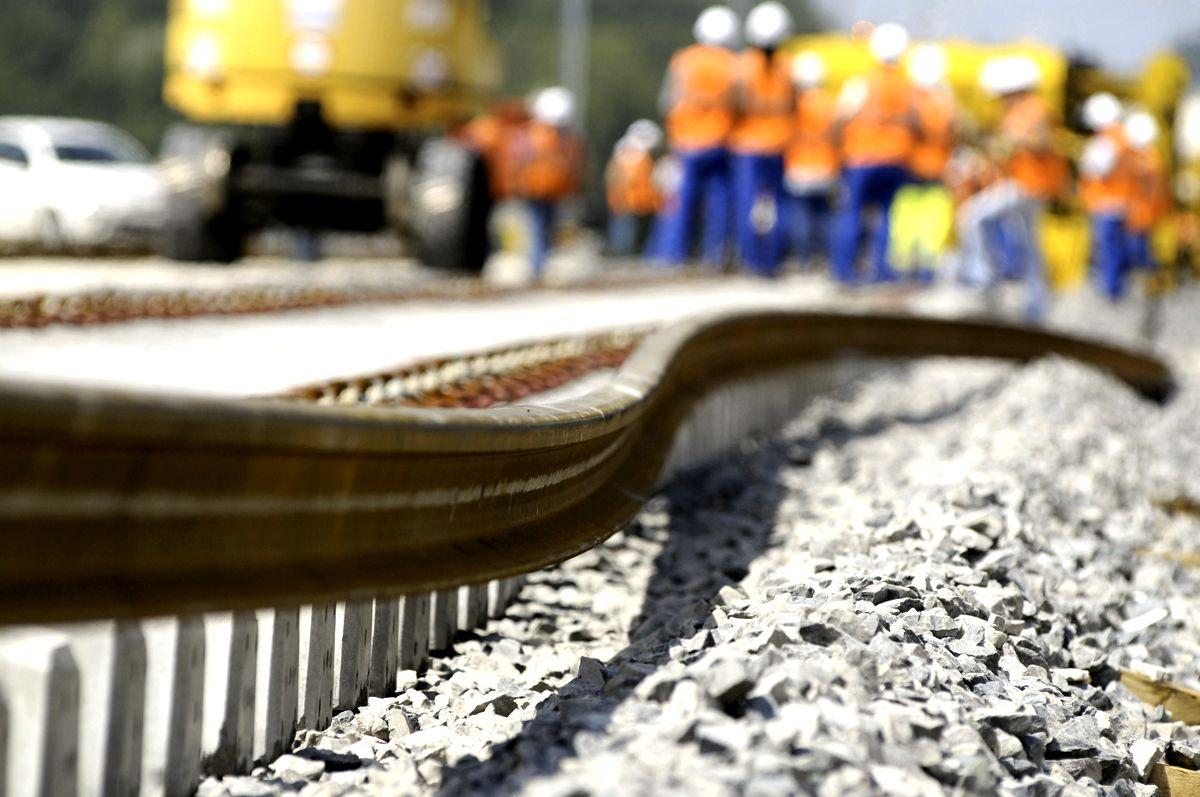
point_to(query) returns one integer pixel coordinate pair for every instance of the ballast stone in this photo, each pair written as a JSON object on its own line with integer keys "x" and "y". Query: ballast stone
{"x": 945, "y": 505}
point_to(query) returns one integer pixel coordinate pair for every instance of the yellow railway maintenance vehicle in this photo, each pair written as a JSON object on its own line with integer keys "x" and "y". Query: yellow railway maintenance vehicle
{"x": 326, "y": 114}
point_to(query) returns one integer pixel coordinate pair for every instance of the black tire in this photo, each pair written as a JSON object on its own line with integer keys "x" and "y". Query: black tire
{"x": 190, "y": 237}
{"x": 448, "y": 207}
{"x": 203, "y": 224}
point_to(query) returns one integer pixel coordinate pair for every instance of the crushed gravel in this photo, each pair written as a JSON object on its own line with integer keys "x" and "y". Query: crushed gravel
{"x": 928, "y": 584}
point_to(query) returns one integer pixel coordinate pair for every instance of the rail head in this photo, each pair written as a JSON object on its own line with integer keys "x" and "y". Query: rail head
{"x": 746, "y": 340}
{"x": 116, "y": 504}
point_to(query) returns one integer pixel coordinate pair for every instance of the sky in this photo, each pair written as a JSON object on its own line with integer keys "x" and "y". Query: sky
{"x": 1119, "y": 33}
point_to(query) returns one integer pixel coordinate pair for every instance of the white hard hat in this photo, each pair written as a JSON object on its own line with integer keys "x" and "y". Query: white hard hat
{"x": 927, "y": 65}
{"x": 1010, "y": 74}
{"x": 1024, "y": 74}
{"x": 1187, "y": 128}
{"x": 554, "y": 106}
{"x": 808, "y": 70}
{"x": 1099, "y": 158}
{"x": 645, "y": 134}
{"x": 889, "y": 42}
{"x": 768, "y": 25}
{"x": 993, "y": 77}
{"x": 1141, "y": 128}
{"x": 1101, "y": 110}
{"x": 853, "y": 96}
{"x": 717, "y": 26}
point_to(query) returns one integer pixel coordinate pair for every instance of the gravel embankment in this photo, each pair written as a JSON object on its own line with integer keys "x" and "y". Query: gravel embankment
{"x": 926, "y": 585}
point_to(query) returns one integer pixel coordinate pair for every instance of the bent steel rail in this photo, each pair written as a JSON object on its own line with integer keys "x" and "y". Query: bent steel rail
{"x": 121, "y": 505}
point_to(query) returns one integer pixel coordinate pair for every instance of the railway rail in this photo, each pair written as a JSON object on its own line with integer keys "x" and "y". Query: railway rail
{"x": 373, "y": 526}
{"x": 104, "y": 307}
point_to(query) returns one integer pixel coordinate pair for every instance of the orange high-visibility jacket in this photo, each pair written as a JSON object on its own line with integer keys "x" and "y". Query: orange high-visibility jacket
{"x": 812, "y": 154}
{"x": 1151, "y": 198}
{"x": 1111, "y": 192}
{"x": 766, "y": 103}
{"x": 629, "y": 180}
{"x": 699, "y": 98}
{"x": 494, "y": 138}
{"x": 549, "y": 163}
{"x": 1031, "y": 125}
{"x": 936, "y": 113}
{"x": 883, "y": 130}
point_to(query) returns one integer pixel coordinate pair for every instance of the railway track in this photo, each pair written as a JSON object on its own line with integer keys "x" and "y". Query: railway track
{"x": 105, "y": 307}
{"x": 376, "y": 514}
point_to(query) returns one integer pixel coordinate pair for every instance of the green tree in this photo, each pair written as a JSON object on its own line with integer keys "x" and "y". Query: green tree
{"x": 98, "y": 59}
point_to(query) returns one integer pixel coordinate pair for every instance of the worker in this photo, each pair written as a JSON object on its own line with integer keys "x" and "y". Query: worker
{"x": 923, "y": 214}
{"x": 878, "y": 129}
{"x": 1001, "y": 222}
{"x": 492, "y": 136}
{"x": 766, "y": 106}
{"x": 633, "y": 197}
{"x": 697, "y": 102}
{"x": 937, "y": 113}
{"x": 1106, "y": 184}
{"x": 1028, "y": 151}
{"x": 549, "y": 167}
{"x": 811, "y": 162}
{"x": 1150, "y": 201}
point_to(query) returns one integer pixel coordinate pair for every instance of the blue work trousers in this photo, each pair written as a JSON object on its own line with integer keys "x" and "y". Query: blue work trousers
{"x": 864, "y": 188}
{"x": 542, "y": 216}
{"x": 1110, "y": 253}
{"x": 758, "y": 210}
{"x": 1011, "y": 253}
{"x": 703, "y": 197}
{"x": 998, "y": 225}
{"x": 655, "y": 246}
{"x": 622, "y": 234}
{"x": 1141, "y": 255}
{"x": 808, "y": 217}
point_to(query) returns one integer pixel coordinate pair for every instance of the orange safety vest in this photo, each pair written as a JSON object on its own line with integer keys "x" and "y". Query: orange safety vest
{"x": 494, "y": 137}
{"x": 549, "y": 163}
{"x": 1041, "y": 172}
{"x": 701, "y": 85}
{"x": 1112, "y": 192}
{"x": 812, "y": 154}
{"x": 883, "y": 130}
{"x": 766, "y": 104}
{"x": 936, "y": 110}
{"x": 630, "y": 183}
{"x": 1151, "y": 199}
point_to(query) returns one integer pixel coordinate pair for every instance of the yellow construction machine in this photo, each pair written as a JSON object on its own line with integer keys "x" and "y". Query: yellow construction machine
{"x": 326, "y": 114}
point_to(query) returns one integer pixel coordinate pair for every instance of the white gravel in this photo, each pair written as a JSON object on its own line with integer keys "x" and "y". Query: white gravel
{"x": 925, "y": 586}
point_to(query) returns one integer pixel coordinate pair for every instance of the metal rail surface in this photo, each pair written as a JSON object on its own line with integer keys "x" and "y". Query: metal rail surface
{"x": 117, "y": 306}
{"x": 120, "y": 505}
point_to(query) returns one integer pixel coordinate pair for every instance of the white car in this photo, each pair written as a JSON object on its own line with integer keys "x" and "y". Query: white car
{"x": 69, "y": 183}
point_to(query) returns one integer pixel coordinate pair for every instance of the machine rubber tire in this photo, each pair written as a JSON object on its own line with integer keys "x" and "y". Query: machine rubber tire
{"x": 449, "y": 206}
{"x": 189, "y": 237}
{"x": 204, "y": 223}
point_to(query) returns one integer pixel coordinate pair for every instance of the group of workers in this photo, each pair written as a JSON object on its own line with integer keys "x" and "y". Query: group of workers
{"x": 764, "y": 157}
{"x": 533, "y": 155}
